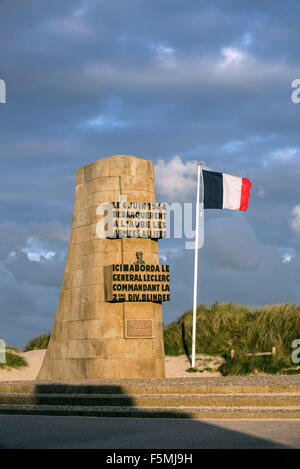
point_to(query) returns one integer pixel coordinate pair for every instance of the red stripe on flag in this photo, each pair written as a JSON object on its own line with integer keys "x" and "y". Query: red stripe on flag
{"x": 245, "y": 193}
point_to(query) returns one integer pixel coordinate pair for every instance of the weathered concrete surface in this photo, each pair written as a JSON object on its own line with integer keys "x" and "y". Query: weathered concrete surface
{"x": 146, "y": 387}
{"x": 155, "y": 398}
{"x": 87, "y": 340}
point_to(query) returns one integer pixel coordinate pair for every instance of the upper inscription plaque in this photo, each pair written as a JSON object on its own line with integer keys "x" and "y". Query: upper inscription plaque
{"x": 137, "y": 220}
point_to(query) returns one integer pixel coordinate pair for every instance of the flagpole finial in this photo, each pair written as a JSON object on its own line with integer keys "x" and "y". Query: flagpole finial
{"x": 201, "y": 163}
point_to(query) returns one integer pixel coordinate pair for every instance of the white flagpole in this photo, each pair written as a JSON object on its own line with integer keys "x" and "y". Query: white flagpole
{"x": 196, "y": 263}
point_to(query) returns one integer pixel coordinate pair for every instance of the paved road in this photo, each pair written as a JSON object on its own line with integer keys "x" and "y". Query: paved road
{"x": 87, "y": 432}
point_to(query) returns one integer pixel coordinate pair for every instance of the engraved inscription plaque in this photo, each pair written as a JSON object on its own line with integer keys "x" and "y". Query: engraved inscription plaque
{"x": 138, "y": 282}
{"x": 138, "y": 328}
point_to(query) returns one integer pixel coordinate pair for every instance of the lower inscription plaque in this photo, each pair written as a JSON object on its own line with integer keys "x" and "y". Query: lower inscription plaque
{"x": 138, "y": 328}
{"x": 137, "y": 282}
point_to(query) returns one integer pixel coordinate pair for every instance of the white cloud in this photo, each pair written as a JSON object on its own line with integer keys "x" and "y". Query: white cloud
{"x": 261, "y": 191}
{"x": 80, "y": 11}
{"x": 231, "y": 55}
{"x": 233, "y": 146}
{"x": 284, "y": 155}
{"x": 223, "y": 69}
{"x": 49, "y": 231}
{"x": 165, "y": 55}
{"x": 71, "y": 25}
{"x": 295, "y": 219}
{"x": 103, "y": 122}
{"x": 35, "y": 254}
{"x": 286, "y": 257}
{"x": 163, "y": 51}
{"x": 176, "y": 180}
{"x": 287, "y": 254}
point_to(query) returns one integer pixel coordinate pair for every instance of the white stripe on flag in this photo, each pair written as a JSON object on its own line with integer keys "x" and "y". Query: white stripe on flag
{"x": 232, "y": 189}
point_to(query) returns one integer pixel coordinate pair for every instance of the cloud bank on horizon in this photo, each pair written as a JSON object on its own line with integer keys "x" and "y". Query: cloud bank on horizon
{"x": 171, "y": 81}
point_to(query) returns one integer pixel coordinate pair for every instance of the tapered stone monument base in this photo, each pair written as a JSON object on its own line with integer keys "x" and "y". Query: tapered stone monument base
{"x": 89, "y": 340}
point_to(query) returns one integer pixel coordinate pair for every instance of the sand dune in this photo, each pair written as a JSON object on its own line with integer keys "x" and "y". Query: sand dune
{"x": 175, "y": 367}
{"x": 34, "y": 359}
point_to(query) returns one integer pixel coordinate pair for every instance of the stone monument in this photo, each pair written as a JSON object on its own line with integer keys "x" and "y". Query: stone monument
{"x": 108, "y": 323}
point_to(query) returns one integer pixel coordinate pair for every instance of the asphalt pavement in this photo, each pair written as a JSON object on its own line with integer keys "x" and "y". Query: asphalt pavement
{"x": 42, "y": 432}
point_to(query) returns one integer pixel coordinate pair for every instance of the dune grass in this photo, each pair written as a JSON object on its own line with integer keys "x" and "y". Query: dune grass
{"x": 225, "y": 326}
{"x": 13, "y": 358}
{"x": 222, "y": 327}
{"x": 38, "y": 343}
{"x": 13, "y": 348}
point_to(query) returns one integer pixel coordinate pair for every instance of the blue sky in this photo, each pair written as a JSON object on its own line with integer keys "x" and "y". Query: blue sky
{"x": 171, "y": 81}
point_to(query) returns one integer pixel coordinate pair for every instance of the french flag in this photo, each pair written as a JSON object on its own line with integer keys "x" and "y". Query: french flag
{"x": 225, "y": 191}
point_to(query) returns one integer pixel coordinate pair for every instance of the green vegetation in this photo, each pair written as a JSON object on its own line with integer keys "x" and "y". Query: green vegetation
{"x": 38, "y": 343}
{"x": 13, "y": 358}
{"x": 221, "y": 328}
{"x": 13, "y": 348}
{"x": 225, "y": 326}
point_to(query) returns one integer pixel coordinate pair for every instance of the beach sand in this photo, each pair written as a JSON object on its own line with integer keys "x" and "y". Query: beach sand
{"x": 34, "y": 359}
{"x": 175, "y": 367}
